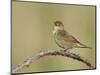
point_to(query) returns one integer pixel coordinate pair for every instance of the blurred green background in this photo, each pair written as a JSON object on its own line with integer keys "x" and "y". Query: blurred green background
{"x": 32, "y": 25}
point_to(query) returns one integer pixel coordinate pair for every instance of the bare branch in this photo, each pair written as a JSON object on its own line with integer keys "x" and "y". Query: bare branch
{"x": 40, "y": 54}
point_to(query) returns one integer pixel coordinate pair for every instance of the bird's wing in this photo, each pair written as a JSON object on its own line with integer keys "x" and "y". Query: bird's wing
{"x": 69, "y": 40}
{"x": 72, "y": 39}
{"x": 67, "y": 37}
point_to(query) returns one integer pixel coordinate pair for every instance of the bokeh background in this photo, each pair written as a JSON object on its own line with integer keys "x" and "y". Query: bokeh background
{"x": 32, "y": 25}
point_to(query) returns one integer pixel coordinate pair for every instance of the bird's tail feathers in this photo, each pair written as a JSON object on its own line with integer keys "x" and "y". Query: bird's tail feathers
{"x": 80, "y": 45}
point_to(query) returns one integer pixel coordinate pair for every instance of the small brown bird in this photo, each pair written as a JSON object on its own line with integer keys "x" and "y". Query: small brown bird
{"x": 63, "y": 39}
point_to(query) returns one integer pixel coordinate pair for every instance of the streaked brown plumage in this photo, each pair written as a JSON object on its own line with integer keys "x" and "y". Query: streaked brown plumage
{"x": 64, "y": 39}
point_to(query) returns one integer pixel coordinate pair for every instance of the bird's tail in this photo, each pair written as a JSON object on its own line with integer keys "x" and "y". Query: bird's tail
{"x": 80, "y": 45}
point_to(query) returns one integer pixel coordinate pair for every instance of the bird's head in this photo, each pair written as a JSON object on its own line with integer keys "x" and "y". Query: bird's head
{"x": 58, "y": 25}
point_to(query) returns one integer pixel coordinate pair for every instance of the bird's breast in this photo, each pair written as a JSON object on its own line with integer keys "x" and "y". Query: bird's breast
{"x": 54, "y": 31}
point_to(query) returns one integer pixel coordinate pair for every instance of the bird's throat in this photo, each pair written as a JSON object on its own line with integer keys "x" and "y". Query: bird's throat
{"x": 58, "y": 28}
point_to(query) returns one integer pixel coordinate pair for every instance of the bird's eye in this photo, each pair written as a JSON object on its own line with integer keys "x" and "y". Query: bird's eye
{"x": 57, "y": 24}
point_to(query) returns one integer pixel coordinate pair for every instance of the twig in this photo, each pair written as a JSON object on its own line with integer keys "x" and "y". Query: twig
{"x": 40, "y": 54}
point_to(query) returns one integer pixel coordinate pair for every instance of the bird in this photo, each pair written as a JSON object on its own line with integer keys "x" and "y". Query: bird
{"x": 64, "y": 39}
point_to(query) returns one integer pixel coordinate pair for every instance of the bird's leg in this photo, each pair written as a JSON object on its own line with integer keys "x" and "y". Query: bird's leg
{"x": 63, "y": 50}
{"x": 66, "y": 49}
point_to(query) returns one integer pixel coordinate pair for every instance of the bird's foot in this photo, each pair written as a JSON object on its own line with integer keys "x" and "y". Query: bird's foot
{"x": 65, "y": 50}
